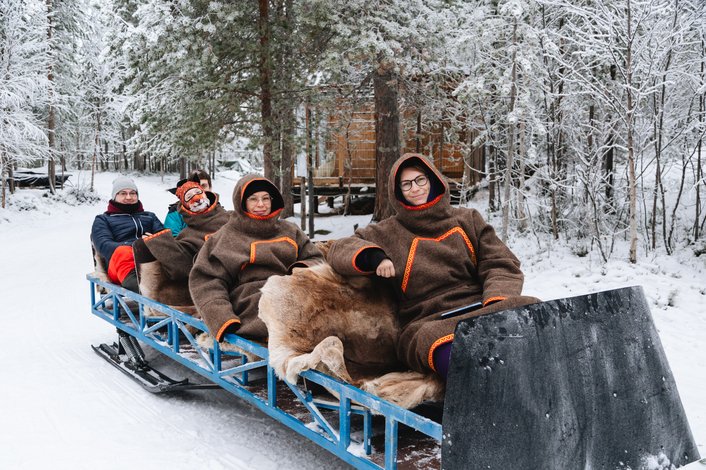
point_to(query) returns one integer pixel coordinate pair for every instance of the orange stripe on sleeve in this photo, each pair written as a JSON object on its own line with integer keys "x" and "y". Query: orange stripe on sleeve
{"x": 493, "y": 299}
{"x": 355, "y": 256}
{"x": 221, "y": 331}
{"x": 436, "y": 344}
{"x": 158, "y": 234}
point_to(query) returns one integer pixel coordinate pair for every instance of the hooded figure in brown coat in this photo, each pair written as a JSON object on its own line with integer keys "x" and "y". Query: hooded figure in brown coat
{"x": 234, "y": 263}
{"x": 437, "y": 257}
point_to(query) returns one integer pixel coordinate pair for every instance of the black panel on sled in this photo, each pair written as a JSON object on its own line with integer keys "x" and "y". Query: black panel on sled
{"x": 574, "y": 383}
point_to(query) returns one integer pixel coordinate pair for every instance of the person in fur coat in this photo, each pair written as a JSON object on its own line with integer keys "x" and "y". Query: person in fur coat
{"x": 202, "y": 214}
{"x": 437, "y": 257}
{"x": 235, "y": 262}
{"x": 114, "y": 232}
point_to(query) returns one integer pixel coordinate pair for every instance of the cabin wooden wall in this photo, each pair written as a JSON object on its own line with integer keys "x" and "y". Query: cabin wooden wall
{"x": 355, "y": 145}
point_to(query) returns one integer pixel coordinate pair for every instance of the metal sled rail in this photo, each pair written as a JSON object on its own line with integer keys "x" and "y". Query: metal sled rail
{"x": 345, "y": 427}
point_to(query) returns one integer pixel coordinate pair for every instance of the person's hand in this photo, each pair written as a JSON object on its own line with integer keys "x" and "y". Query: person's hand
{"x": 385, "y": 269}
{"x": 146, "y": 234}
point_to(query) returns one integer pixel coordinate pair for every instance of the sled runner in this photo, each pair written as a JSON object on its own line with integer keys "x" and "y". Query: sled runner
{"x": 573, "y": 383}
{"x": 562, "y": 384}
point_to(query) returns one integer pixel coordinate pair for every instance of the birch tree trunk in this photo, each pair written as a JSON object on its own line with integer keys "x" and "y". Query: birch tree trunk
{"x": 521, "y": 215}
{"x": 51, "y": 112}
{"x": 632, "y": 181}
{"x": 510, "y": 138}
{"x": 3, "y": 175}
{"x": 699, "y": 168}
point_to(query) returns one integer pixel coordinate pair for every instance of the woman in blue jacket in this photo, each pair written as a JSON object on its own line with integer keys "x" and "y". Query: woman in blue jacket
{"x": 115, "y": 230}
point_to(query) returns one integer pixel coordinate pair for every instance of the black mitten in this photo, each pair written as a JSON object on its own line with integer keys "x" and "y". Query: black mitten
{"x": 141, "y": 253}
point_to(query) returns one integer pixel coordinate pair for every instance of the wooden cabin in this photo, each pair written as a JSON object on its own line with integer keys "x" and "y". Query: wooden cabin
{"x": 345, "y": 150}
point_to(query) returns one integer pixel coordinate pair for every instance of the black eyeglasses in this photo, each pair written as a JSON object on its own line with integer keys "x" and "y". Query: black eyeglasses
{"x": 421, "y": 180}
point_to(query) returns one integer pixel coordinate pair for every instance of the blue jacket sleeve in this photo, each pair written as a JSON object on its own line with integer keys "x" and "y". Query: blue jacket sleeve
{"x": 156, "y": 224}
{"x": 103, "y": 239}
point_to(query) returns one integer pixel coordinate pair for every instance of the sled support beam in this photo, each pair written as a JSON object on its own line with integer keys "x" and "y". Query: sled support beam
{"x": 580, "y": 382}
{"x": 345, "y": 427}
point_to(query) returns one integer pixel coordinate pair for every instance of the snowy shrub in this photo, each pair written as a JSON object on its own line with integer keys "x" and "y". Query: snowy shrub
{"x": 580, "y": 248}
{"x": 22, "y": 204}
{"x": 75, "y": 196}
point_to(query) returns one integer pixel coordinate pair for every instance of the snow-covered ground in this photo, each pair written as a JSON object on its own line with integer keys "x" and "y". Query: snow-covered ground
{"x": 63, "y": 407}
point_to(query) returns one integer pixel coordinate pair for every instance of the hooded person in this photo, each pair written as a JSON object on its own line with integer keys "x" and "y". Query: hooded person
{"x": 437, "y": 257}
{"x": 202, "y": 215}
{"x": 235, "y": 262}
{"x": 114, "y": 232}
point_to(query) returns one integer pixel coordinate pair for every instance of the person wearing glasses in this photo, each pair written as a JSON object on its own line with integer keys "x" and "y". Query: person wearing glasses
{"x": 114, "y": 232}
{"x": 444, "y": 263}
{"x": 235, "y": 262}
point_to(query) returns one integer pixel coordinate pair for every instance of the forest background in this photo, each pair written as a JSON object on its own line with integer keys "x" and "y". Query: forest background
{"x": 582, "y": 107}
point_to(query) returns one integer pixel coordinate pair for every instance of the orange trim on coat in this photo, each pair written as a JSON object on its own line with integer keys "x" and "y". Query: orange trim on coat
{"x": 355, "y": 255}
{"x": 493, "y": 299}
{"x": 436, "y": 344}
{"x": 423, "y": 206}
{"x": 264, "y": 217}
{"x": 413, "y": 251}
{"x": 253, "y": 246}
{"x": 221, "y": 331}
{"x": 154, "y": 235}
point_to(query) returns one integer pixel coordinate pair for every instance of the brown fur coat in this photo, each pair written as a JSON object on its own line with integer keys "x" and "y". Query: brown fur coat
{"x": 236, "y": 261}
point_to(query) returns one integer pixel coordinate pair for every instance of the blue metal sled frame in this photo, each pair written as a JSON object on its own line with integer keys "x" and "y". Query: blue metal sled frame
{"x": 339, "y": 440}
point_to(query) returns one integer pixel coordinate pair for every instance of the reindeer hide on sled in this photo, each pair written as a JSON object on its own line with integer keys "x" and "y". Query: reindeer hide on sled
{"x": 345, "y": 327}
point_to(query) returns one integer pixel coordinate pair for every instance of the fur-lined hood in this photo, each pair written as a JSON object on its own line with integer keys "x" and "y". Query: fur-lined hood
{"x": 251, "y": 223}
{"x": 437, "y": 208}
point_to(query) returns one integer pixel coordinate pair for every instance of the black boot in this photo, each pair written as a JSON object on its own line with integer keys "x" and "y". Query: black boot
{"x": 130, "y": 282}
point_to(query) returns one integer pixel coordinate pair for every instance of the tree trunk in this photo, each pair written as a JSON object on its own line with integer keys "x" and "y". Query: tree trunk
{"x": 609, "y": 157}
{"x": 93, "y": 162}
{"x": 632, "y": 181}
{"x": 699, "y": 168}
{"x": 492, "y": 178}
{"x": 521, "y": 216}
{"x": 266, "y": 90}
{"x": 288, "y": 152}
{"x": 310, "y": 171}
{"x": 510, "y": 141}
{"x": 3, "y": 177}
{"x": 51, "y": 112}
{"x": 387, "y": 137}
{"x": 182, "y": 167}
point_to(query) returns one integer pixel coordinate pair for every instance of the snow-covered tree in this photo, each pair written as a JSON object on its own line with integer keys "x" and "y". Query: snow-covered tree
{"x": 23, "y": 85}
